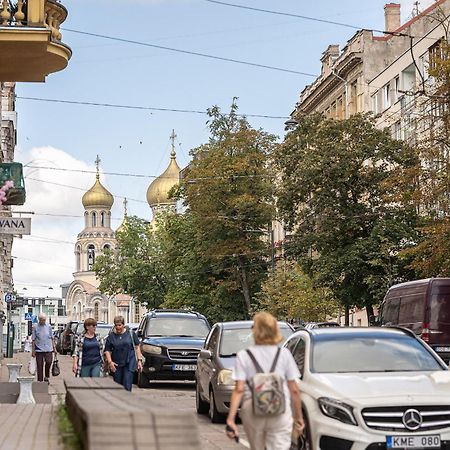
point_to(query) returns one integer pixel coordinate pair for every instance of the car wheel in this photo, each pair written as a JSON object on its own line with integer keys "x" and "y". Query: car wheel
{"x": 304, "y": 441}
{"x": 143, "y": 381}
{"x": 201, "y": 406}
{"x": 214, "y": 415}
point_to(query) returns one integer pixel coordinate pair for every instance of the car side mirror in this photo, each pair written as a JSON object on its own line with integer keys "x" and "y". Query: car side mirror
{"x": 205, "y": 354}
{"x": 139, "y": 333}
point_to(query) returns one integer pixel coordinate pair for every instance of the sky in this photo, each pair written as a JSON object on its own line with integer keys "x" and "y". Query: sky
{"x": 58, "y": 142}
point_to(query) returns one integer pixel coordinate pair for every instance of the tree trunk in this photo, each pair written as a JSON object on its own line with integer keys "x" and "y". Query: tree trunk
{"x": 369, "y": 311}
{"x": 347, "y": 315}
{"x": 244, "y": 283}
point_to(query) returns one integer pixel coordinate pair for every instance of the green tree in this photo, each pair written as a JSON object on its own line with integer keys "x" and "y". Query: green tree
{"x": 228, "y": 190}
{"x": 345, "y": 194}
{"x": 134, "y": 268}
{"x": 291, "y": 294}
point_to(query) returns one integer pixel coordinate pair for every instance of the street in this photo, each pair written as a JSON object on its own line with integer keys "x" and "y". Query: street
{"x": 176, "y": 396}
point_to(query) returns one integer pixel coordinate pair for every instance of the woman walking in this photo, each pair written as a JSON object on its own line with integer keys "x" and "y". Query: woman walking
{"x": 270, "y": 432}
{"x": 88, "y": 355}
{"x": 123, "y": 354}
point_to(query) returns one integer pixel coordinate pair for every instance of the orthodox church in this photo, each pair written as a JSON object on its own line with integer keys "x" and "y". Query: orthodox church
{"x": 83, "y": 298}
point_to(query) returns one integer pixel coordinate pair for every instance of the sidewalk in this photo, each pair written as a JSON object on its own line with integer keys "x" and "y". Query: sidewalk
{"x": 31, "y": 427}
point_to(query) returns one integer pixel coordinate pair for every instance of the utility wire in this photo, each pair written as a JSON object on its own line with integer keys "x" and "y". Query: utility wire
{"x": 299, "y": 16}
{"x": 188, "y": 52}
{"x": 145, "y": 108}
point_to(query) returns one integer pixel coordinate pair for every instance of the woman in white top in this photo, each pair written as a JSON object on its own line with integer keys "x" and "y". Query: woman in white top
{"x": 266, "y": 432}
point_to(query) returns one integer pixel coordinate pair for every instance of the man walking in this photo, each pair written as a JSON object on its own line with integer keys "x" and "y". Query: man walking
{"x": 43, "y": 347}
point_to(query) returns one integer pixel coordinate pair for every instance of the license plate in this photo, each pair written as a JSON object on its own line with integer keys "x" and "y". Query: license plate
{"x": 184, "y": 367}
{"x": 414, "y": 442}
{"x": 442, "y": 349}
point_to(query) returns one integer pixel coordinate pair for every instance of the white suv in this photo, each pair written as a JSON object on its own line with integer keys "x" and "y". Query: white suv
{"x": 371, "y": 389}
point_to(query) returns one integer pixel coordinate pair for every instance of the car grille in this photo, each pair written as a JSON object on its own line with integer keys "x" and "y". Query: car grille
{"x": 391, "y": 418}
{"x": 183, "y": 354}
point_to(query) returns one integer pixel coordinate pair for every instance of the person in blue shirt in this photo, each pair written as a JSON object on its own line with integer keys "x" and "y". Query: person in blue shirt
{"x": 122, "y": 353}
{"x": 88, "y": 355}
{"x": 42, "y": 347}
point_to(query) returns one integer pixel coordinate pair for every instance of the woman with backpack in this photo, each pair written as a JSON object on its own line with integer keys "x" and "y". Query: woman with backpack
{"x": 265, "y": 377}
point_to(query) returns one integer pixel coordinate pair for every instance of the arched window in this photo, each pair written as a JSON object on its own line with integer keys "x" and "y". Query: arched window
{"x": 102, "y": 218}
{"x": 90, "y": 256}
{"x": 107, "y": 247}
{"x": 94, "y": 219}
{"x": 78, "y": 258}
{"x": 96, "y": 311}
{"x": 86, "y": 219}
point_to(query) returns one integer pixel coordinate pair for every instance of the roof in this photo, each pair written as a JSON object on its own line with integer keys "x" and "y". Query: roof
{"x": 245, "y": 324}
{"x": 356, "y": 332}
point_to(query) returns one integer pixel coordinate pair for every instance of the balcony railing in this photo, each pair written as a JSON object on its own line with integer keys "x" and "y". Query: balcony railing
{"x": 33, "y": 13}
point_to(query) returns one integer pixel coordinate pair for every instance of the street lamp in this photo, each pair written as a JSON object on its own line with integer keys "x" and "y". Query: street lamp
{"x": 290, "y": 124}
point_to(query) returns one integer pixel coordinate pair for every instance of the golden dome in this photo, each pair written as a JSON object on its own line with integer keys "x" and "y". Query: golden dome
{"x": 158, "y": 191}
{"x": 97, "y": 196}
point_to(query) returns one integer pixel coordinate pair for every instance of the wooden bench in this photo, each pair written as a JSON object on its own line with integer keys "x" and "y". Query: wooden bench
{"x": 116, "y": 419}
{"x": 9, "y": 392}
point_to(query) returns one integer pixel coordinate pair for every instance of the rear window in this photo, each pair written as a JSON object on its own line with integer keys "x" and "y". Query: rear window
{"x": 412, "y": 308}
{"x": 440, "y": 309}
{"x": 177, "y": 326}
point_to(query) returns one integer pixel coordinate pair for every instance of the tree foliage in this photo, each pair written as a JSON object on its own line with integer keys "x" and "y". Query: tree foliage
{"x": 291, "y": 294}
{"x": 346, "y": 194}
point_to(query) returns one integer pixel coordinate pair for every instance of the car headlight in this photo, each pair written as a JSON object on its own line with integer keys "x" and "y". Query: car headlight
{"x": 153, "y": 349}
{"x": 225, "y": 377}
{"x": 337, "y": 410}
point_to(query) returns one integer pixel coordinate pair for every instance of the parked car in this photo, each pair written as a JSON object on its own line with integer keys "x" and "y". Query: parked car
{"x": 170, "y": 343}
{"x": 311, "y": 325}
{"x": 66, "y": 337}
{"x": 423, "y": 306}
{"x": 371, "y": 388}
{"x": 214, "y": 384}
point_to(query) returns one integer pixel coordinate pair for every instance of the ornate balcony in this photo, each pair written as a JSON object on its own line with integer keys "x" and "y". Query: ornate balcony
{"x": 30, "y": 39}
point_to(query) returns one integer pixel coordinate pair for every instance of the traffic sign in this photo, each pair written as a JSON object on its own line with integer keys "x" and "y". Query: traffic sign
{"x": 28, "y": 316}
{"x": 9, "y": 297}
{"x": 34, "y": 319}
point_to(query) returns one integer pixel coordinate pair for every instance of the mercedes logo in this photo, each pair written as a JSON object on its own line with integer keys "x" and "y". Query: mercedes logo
{"x": 412, "y": 419}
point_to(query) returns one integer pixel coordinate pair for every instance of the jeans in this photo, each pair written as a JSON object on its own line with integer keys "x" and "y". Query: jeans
{"x": 124, "y": 376}
{"x": 42, "y": 357}
{"x": 91, "y": 371}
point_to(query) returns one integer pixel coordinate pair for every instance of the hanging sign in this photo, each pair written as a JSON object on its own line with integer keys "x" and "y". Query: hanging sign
{"x": 15, "y": 225}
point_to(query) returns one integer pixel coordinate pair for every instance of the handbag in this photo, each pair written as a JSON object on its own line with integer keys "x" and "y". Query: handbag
{"x": 55, "y": 367}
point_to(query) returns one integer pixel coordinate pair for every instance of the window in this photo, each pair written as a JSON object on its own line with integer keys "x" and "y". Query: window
{"x": 299, "y": 356}
{"x": 412, "y": 308}
{"x": 97, "y": 311}
{"x": 409, "y": 79}
{"x": 78, "y": 258}
{"x": 137, "y": 312}
{"x": 94, "y": 219}
{"x": 390, "y": 311}
{"x": 212, "y": 341}
{"x": 387, "y": 98}
{"x": 397, "y": 88}
{"x": 107, "y": 247}
{"x": 90, "y": 257}
{"x": 436, "y": 53}
{"x": 291, "y": 344}
{"x": 102, "y": 218}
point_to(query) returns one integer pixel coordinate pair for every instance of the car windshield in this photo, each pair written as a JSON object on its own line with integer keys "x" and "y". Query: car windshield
{"x": 333, "y": 353}
{"x": 177, "y": 326}
{"x": 237, "y": 339}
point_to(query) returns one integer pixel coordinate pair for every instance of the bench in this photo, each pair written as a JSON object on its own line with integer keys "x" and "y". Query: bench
{"x": 109, "y": 417}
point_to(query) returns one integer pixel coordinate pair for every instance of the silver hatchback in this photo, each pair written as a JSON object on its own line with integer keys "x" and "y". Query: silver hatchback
{"x": 213, "y": 380}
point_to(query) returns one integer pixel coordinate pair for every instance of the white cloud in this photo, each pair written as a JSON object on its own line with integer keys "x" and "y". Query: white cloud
{"x": 50, "y": 203}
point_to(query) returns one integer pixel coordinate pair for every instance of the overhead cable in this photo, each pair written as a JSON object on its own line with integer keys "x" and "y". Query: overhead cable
{"x": 188, "y": 52}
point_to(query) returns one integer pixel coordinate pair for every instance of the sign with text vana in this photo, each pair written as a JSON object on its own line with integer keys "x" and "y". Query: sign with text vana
{"x": 15, "y": 225}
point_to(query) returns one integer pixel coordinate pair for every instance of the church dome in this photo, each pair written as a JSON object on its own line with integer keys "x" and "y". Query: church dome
{"x": 98, "y": 196}
{"x": 158, "y": 191}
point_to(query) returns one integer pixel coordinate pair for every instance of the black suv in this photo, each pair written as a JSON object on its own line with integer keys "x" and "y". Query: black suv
{"x": 170, "y": 343}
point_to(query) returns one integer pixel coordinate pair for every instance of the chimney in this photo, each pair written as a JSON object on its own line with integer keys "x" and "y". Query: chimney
{"x": 391, "y": 16}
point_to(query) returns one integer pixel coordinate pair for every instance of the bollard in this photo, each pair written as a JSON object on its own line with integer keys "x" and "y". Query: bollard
{"x": 14, "y": 372}
{"x": 26, "y": 392}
